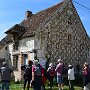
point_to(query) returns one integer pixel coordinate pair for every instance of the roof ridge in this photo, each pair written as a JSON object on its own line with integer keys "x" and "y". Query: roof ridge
{"x": 53, "y": 6}
{"x": 39, "y": 19}
{"x": 61, "y": 3}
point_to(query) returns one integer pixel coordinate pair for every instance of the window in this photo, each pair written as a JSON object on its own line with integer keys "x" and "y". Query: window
{"x": 6, "y": 48}
{"x": 69, "y": 20}
{"x": 69, "y": 38}
{"x": 25, "y": 59}
{"x": 15, "y": 62}
{"x": 15, "y": 46}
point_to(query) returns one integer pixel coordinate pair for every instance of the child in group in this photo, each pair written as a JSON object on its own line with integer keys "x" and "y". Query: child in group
{"x": 51, "y": 74}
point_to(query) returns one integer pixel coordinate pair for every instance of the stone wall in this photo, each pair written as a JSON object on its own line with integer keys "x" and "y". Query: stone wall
{"x": 64, "y": 36}
{"x": 6, "y": 52}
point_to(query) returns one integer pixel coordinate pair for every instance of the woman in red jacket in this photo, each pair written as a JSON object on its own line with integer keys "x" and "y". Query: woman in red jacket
{"x": 85, "y": 74}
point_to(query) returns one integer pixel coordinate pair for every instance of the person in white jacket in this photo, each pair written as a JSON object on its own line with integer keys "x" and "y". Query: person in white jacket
{"x": 71, "y": 77}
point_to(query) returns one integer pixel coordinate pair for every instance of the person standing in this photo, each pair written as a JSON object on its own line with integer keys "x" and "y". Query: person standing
{"x": 5, "y": 76}
{"x": 58, "y": 70}
{"x": 51, "y": 73}
{"x": 85, "y": 72}
{"x": 43, "y": 80}
{"x": 37, "y": 73}
{"x": 71, "y": 77}
{"x": 28, "y": 75}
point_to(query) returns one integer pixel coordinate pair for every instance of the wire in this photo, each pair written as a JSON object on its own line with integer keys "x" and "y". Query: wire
{"x": 81, "y": 5}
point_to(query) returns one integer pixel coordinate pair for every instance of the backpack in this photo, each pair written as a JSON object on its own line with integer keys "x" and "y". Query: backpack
{"x": 6, "y": 73}
{"x": 51, "y": 72}
{"x": 85, "y": 71}
{"x": 28, "y": 72}
{"x": 38, "y": 70}
{"x": 64, "y": 70}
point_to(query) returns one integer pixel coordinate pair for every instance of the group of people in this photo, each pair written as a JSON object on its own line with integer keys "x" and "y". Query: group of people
{"x": 39, "y": 75}
{"x": 35, "y": 75}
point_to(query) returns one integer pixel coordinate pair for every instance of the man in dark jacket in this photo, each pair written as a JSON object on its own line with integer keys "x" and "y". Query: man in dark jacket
{"x": 5, "y": 76}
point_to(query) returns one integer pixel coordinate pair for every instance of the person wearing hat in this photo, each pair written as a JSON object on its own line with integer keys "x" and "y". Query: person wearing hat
{"x": 71, "y": 77}
{"x": 51, "y": 74}
{"x": 5, "y": 76}
{"x": 58, "y": 70}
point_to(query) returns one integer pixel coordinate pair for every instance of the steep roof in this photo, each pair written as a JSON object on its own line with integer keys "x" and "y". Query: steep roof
{"x": 31, "y": 24}
{"x": 15, "y": 29}
{"x": 36, "y": 20}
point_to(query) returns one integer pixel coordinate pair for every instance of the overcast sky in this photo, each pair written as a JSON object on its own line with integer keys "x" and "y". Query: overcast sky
{"x": 13, "y": 11}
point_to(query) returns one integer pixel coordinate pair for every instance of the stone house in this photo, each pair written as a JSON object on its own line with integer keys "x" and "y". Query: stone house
{"x": 54, "y": 33}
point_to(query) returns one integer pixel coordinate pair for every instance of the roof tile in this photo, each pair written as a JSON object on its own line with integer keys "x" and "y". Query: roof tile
{"x": 34, "y": 22}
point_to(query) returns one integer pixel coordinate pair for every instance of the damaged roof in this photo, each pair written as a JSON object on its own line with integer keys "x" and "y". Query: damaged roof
{"x": 15, "y": 29}
{"x": 36, "y": 20}
{"x": 31, "y": 24}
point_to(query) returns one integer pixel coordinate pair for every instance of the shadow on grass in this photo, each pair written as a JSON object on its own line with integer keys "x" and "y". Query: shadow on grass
{"x": 20, "y": 87}
{"x": 56, "y": 88}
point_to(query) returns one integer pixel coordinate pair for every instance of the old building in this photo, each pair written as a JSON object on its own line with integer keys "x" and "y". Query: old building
{"x": 6, "y": 49}
{"x": 54, "y": 33}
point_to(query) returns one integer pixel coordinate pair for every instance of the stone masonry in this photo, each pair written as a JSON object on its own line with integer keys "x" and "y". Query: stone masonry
{"x": 54, "y": 33}
{"x": 64, "y": 36}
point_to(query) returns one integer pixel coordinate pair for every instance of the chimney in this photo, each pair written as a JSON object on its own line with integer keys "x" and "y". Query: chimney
{"x": 28, "y": 14}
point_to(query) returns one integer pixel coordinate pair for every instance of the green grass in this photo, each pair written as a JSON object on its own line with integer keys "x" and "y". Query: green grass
{"x": 20, "y": 86}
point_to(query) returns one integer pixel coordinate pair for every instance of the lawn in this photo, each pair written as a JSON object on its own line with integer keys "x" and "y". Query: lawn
{"x": 20, "y": 86}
